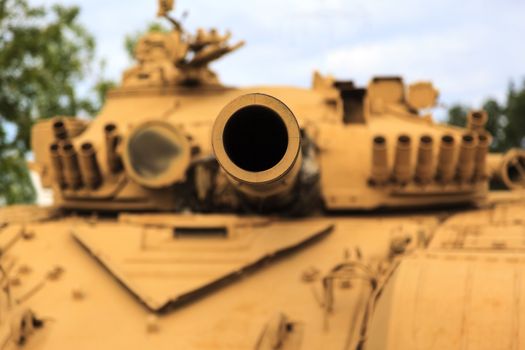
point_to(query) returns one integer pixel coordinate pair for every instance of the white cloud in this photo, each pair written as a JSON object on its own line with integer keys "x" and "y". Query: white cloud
{"x": 470, "y": 49}
{"x": 418, "y": 57}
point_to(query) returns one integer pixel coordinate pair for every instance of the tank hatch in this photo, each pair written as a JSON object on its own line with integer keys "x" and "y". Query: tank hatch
{"x": 167, "y": 260}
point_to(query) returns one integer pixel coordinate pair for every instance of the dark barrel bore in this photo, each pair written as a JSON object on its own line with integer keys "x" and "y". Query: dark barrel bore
{"x": 256, "y": 140}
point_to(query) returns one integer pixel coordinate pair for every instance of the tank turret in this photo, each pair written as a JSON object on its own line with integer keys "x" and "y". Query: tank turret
{"x": 172, "y": 138}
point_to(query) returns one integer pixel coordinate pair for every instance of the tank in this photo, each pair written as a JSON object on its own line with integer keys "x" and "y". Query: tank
{"x": 193, "y": 215}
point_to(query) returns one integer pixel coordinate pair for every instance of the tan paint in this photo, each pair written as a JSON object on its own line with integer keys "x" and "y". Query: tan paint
{"x": 154, "y": 275}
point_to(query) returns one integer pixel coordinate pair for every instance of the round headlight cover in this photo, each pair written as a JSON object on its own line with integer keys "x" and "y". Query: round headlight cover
{"x": 156, "y": 154}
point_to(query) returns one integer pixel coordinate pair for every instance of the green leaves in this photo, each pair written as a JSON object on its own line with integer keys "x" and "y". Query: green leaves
{"x": 15, "y": 184}
{"x": 515, "y": 112}
{"x": 131, "y": 40}
{"x": 44, "y": 54}
{"x": 506, "y": 122}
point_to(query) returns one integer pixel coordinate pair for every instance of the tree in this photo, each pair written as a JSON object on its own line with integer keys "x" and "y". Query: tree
{"x": 457, "y": 115}
{"x": 515, "y": 112}
{"x": 44, "y": 54}
{"x": 506, "y": 122}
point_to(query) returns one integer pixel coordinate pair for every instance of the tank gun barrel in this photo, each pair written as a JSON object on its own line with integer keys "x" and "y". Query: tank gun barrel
{"x": 256, "y": 140}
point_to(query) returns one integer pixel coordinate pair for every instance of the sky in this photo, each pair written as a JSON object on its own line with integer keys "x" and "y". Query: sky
{"x": 470, "y": 50}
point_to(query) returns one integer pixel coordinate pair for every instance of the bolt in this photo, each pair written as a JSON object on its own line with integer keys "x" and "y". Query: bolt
{"x": 345, "y": 284}
{"x": 152, "y": 324}
{"x": 310, "y": 274}
{"x": 55, "y": 274}
{"x": 24, "y": 269}
{"x": 15, "y": 282}
{"x": 78, "y": 293}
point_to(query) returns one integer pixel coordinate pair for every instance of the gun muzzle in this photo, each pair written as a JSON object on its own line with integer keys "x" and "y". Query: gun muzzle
{"x": 257, "y": 141}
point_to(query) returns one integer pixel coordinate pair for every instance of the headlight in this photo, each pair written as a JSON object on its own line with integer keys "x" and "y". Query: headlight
{"x": 156, "y": 154}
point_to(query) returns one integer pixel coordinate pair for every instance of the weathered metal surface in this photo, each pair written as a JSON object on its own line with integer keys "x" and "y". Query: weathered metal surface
{"x": 156, "y": 209}
{"x": 164, "y": 268}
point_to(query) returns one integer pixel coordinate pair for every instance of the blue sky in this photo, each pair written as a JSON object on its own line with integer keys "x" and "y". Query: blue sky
{"x": 469, "y": 49}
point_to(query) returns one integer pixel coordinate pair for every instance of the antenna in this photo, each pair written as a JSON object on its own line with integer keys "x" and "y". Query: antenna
{"x": 165, "y": 6}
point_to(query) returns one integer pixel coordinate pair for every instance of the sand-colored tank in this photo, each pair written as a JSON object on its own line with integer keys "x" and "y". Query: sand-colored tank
{"x": 193, "y": 215}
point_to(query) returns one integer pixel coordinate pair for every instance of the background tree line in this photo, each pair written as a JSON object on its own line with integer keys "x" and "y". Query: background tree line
{"x": 46, "y": 54}
{"x": 506, "y": 120}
